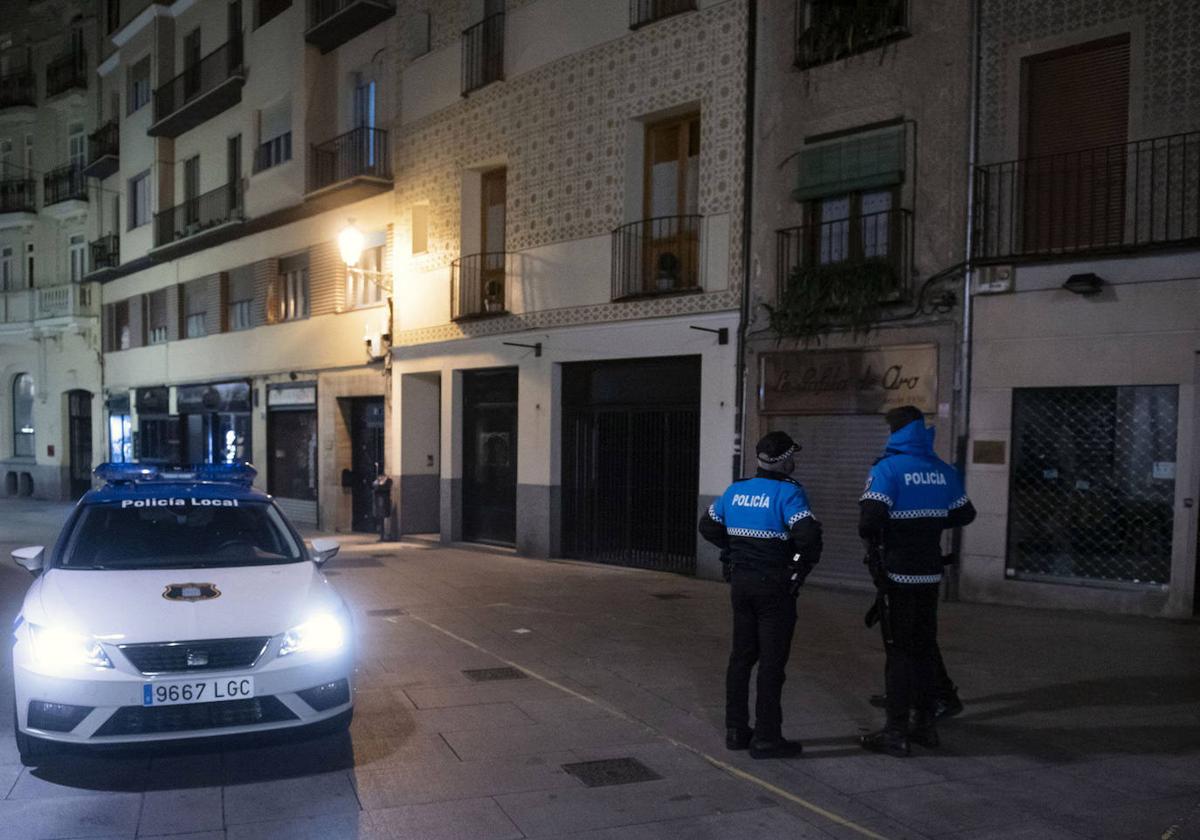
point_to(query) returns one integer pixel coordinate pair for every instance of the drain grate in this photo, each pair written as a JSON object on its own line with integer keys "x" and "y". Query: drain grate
{"x": 356, "y": 562}
{"x": 387, "y": 613}
{"x": 668, "y": 596}
{"x": 611, "y": 771}
{"x": 494, "y": 674}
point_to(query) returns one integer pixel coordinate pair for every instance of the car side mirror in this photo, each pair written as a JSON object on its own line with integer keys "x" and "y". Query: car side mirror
{"x": 30, "y": 558}
{"x": 323, "y": 550}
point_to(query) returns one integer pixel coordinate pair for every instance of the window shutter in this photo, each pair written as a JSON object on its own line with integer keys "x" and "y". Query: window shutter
{"x": 276, "y": 120}
{"x": 866, "y": 161}
{"x": 1077, "y": 98}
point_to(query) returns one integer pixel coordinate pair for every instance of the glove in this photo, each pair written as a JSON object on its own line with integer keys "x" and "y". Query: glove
{"x": 799, "y": 572}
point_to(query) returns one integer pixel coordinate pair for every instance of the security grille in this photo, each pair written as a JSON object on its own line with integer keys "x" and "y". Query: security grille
{"x": 1093, "y": 484}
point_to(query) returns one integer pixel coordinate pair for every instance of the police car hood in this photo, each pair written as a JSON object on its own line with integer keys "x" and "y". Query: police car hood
{"x": 133, "y": 605}
{"x": 913, "y": 439}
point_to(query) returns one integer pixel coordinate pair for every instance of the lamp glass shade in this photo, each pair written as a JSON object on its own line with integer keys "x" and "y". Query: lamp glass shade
{"x": 350, "y": 244}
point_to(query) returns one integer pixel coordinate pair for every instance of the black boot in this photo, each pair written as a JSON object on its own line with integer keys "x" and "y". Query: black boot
{"x": 892, "y": 739}
{"x": 737, "y": 738}
{"x": 775, "y": 748}
{"x": 924, "y": 730}
{"x": 948, "y": 705}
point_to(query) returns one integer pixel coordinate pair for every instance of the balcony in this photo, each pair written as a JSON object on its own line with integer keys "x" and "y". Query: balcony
{"x": 483, "y": 53}
{"x": 198, "y": 215}
{"x": 200, "y": 92}
{"x": 104, "y": 151}
{"x": 479, "y": 286}
{"x": 656, "y": 257}
{"x": 64, "y": 191}
{"x": 829, "y": 30}
{"x": 332, "y": 23}
{"x": 643, "y": 12}
{"x": 18, "y": 90}
{"x": 1108, "y": 200}
{"x": 69, "y": 300}
{"x": 66, "y": 73}
{"x": 18, "y": 201}
{"x": 355, "y": 160}
{"x": 105, "y": 252}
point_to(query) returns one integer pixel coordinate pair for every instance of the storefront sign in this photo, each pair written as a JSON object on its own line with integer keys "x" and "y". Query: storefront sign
{"x": 293, "y": 396}
{"x": 849, "y": 381}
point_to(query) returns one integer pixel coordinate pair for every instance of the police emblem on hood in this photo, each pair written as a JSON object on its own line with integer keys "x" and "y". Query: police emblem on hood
{"x": 191, "y": 592}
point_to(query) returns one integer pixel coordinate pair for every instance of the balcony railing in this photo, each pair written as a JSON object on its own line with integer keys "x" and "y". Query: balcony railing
{"x": 642, "y": 12}
{"x": 201, "y": 91}
{"x": 483, "y": 53}
{"x": 105, "y": 252}
{"x": 656, "y": 257}
{"x": 104, "y": 151}
{"x": 827, "y": 30}
{"x": 479, "y": 285}
{"x": 18, "y": 88}
{"x": 359, "y": 153}
{"x": 70, "y": 300}
{"x": 66, "y": 183}
{"x": 18, "y": 195}
{"x": 1109, "y": 199}
{"x": 332, "y": 23}
{"x": 66, "y": 72}
{"x": 196, "y": 215}
{"x": 875, "y": 243}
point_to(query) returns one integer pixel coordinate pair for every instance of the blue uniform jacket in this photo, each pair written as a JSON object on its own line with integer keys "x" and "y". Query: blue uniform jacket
{"x": 911, "y": 496}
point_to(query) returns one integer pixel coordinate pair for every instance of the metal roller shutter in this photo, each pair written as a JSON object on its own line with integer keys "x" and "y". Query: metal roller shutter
{"x": 303, "y": 514}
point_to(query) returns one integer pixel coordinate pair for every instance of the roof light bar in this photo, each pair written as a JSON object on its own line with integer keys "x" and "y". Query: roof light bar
{"x": 237, "y": 473}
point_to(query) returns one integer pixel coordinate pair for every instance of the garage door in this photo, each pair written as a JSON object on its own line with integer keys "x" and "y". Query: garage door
{"x": 838, "y": 452}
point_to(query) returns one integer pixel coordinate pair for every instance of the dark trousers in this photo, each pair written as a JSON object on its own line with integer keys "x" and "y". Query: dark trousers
{"x": 764, "y": 616}
{"x": 912, "y": 668}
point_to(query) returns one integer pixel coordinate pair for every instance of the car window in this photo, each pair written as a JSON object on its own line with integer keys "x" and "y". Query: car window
{"x": 180, "y": 533}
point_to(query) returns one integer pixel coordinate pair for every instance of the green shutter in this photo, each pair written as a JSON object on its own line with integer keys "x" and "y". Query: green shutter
{"x": 852, "y": 164}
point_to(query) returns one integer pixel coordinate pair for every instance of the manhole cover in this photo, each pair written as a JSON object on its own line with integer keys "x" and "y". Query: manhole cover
{"x": 493, "y": 674}
{"x": 668, "y": 596}
{"x": 387, "y": 613}
{"x": 356, "y": 562}
{"x": 611, "y": 771}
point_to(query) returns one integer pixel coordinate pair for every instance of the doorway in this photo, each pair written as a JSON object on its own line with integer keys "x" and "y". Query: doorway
{"x": 366, "y": 460}
{"x": 490, "y": 456}
{"x": 79, "y": 411}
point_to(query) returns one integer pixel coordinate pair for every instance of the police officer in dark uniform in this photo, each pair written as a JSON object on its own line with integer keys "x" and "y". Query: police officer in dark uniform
{"x": 769, "y": 542}
{"x": 910, "y": 498}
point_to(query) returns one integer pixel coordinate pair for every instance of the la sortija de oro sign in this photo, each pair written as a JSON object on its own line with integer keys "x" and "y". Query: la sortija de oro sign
{"x": 869, "y": 381}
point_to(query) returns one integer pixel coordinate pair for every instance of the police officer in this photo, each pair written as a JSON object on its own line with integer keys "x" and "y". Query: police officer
{"x": 769, "y": 543}
{"x": 910, "y": 498}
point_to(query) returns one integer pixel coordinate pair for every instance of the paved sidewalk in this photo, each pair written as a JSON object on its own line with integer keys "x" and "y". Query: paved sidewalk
{"x": 1077, "y": 725}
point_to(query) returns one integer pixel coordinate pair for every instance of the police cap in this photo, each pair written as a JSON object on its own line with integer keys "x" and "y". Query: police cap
{"x": 775, "y": 447}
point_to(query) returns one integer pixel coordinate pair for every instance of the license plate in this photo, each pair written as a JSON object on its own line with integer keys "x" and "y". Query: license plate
{"x": 197, "y": 691}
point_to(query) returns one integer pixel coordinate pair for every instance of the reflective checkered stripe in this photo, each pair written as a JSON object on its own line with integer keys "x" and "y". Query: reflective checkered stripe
{"x": 871, "y": 495}
{"x": 712, "y": 514}
{"x": 796, "y": 517}
{"x": 925, "y": 513}
{"x": 961, "y": 501}
{"x": 758, "y": 535}
{"x": 898, "y": 578}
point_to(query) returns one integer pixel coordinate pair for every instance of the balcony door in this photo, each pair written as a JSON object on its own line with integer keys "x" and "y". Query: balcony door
{"x": 671, "y": 196}
{"x": 493, "y": 222}
{"x": 365, "y": 116}
{"x": 191, "y": 190}
{"x": 1075, "y": 126}
{"x": 191, "y": 64}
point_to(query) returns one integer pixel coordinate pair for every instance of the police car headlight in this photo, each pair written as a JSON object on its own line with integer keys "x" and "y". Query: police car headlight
{"x": 59, "y": 649}
{"x": 323, "y": 633}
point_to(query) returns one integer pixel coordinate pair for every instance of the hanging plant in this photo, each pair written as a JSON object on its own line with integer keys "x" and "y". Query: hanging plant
{"x": 846, "y": 295}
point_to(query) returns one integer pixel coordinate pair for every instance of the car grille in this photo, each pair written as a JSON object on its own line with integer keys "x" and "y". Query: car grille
{"x": 142, "y": 720}
{"x": 205, "y": 654}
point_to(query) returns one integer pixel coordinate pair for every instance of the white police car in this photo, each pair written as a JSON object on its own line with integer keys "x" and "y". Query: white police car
{"x": 177, "y": 604}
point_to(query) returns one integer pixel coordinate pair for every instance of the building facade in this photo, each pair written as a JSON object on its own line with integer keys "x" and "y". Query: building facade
{"x": 49, "y": 336}
{"x": 1084, "y": 439}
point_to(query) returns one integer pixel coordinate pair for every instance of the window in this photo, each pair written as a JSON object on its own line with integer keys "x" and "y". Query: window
{"x": 77, "y": 253}
{"x": 29, "y": 265}
{"x": 117, "y": 334}
{"x": 195, "y": 308}
{"x": 113, "y": 19}
{"x": 139, "y": 84}
{"x": 364, "y": 282}
{"x": 239, "y": 296}
{"x": 264, "y": 10}
{"x": 672, "y": 173}
{"x": 76, "y": 145}
{"x": 22, "y": 413}
{"x": 120, "y": 438}
{"x": 28, "y": 152}
{"x": 138, "y": 197}
{"x": 156, "y": 317}
{"x": 275, "y": 135}
{"x": 420, "y": 228}
{"x": 293, "y": 287}
{"x": 8, "y": 276}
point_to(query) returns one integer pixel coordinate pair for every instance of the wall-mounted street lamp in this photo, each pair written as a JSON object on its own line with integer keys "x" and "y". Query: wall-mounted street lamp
{"x": 351, "y": 243}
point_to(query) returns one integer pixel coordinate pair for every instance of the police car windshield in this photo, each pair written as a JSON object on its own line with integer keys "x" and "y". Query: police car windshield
{"x": 178, "y": 533}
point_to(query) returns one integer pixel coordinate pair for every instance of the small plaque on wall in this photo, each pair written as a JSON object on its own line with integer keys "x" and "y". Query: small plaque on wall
{"x": 988, "y": 452}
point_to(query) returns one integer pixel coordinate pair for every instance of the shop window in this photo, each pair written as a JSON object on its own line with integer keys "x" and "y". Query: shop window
{"x": 120, "y": 438}
{"x": 22, "y": 415}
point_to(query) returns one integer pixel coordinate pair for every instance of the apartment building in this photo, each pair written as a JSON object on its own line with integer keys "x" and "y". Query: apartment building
{"x": 858, "y": 245}
{"x": 252, "y": 135}
{"x": 1084, "y": 441}
{"x": 568, "y": 230}
{"x": 49, "y": 336}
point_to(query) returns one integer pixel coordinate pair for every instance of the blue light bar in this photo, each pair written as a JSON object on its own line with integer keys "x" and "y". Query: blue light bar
{"x": 240, "y": 473}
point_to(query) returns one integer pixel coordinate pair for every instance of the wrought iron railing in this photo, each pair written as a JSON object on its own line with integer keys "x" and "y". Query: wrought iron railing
{"x": 18, "y": 195}
{"x": 208, "y": 73}
{"x": 1108, "y": 199}
{"x": 105, "y": 141}
{"x": 359, "y": 153}
{"x": 656, "y": 256}
{"x": 642, "y": 12}
{"x": 483, "y": 53}
{"x": 105, "y": 252}
{"x": 65, "y": 183}
{"x": 66, "y": 72}
{"x": 319, "y": 11}
{"x": 875, "y": 240}
{"x": 827, "y": 30}
{"x": 479, "y": 285}
{"x": 18, "y": 88}
{"x": 216, "y": 207}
